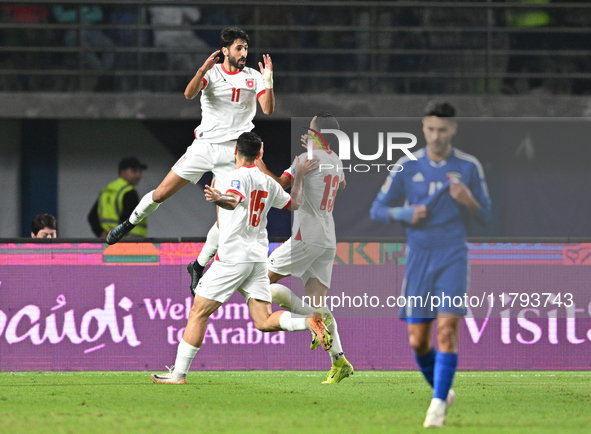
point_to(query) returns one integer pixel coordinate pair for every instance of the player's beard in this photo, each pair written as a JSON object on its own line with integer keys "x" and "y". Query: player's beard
{"x": 232, "y": 60}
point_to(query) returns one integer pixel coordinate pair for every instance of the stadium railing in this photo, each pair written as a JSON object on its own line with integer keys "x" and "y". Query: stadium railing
{"x": 459, "y": 47}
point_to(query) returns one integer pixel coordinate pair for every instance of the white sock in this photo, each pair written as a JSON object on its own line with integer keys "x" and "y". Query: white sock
{"x": 336, "y": 352}
{"x": 145, "y": 207}
{"x": 185, "y": 354}
{"x": 284, "y": 297}
{"x": 210, "y": 247}
{"x": 291, "y": 324}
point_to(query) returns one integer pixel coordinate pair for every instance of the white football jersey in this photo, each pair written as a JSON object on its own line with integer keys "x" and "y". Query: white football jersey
{"x": 228, "y": 103}
{"x": 313, "y": 222}
{"x": 243, "y": 231}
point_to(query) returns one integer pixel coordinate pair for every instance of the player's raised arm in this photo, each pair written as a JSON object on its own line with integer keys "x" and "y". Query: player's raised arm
{"x": 197, "y": 82}
{"x": 284, "y": 180}
{"x": 267, "y": 99}
{"x": 301, "y": 170}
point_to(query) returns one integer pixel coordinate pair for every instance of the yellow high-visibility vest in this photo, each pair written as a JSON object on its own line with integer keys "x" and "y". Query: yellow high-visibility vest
{"x": 110, "y": 206}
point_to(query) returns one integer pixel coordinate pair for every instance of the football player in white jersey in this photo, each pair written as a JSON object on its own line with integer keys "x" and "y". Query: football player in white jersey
{"x": 229, "y": 92}
{"x": 241, "y": 261}
{"x": 309, "y": 253}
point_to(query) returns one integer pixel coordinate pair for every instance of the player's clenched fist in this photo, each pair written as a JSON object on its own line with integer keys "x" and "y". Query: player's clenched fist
{"x": 461, "y": 193}
{"x": 419, "y": 213}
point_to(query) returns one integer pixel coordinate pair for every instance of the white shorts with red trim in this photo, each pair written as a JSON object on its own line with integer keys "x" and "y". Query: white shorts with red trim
{"x": 223, "y": 279}
{"x": 202, "y": 157}
{"x": 298, "y": 259}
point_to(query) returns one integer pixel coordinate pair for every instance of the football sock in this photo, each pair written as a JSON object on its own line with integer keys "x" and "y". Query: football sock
{"x": 185, "y": 354}
{"x": 445, "y": 369}
{"x": 291, "y": 324}
{"x": 284, "y": 297}
{"x": 210, "y": 247}
{"x": 427, "y": 365}
{"x": 145, "y": 207}
{"x": 336, "y": 352}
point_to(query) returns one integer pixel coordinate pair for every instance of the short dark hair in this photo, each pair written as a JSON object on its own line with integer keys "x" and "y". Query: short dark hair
{"x": 131, "y": 163}
{"x": 41, "y": 221}
{"x": 230, "y": 34}
{"x": 441, "y": 109}
{"x": 324, "y": 120}
{"x": 249, "y": 145}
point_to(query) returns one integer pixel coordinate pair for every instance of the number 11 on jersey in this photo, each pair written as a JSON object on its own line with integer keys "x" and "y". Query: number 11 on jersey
{"x": 235, "y": 94}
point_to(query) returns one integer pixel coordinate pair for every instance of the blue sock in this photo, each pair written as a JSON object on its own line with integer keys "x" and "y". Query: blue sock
{"x": 427, "y": 365}
{"x": 445, "y": 369}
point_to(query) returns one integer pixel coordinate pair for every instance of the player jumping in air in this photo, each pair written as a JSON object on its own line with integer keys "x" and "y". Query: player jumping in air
{"x": 309, "y": 253}
{"x": 229, "y": 92}
{"x": 241, "y": 261}
{"x": 443, "y": 189}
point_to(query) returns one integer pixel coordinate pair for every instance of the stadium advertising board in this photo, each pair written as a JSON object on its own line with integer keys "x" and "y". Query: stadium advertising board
{"x": 123, "y": 307}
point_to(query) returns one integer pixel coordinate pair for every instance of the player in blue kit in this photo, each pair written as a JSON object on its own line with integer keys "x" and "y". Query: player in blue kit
{"x": 435, "y": 196}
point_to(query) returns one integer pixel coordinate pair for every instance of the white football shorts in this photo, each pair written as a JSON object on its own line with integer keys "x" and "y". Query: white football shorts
{"x": 223, "y": 279}
{"x": 202, "y": 157}
{"x": 296, "y": 258}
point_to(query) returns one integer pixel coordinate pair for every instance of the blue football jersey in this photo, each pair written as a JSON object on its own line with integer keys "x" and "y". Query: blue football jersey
{"x": 424, "y": 182}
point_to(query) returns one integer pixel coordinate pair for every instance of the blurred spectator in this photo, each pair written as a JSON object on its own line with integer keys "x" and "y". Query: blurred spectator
{"x": 184, "y": 49}
{"x": 126, "y": 15}
{"x": 117, "y": 201}
{"x": 28, "y": 35}
{"x": 573, "y": 18}
{"x": 523, "y": 20}
{"x": 44, "y": 226}
{"x": 91, "y": 37}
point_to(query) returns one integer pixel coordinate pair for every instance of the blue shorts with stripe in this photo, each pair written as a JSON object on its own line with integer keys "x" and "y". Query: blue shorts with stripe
{"x": 435, "y": 281}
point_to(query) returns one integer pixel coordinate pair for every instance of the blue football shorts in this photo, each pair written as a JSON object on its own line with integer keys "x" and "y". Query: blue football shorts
{"x": 435, "y": 281}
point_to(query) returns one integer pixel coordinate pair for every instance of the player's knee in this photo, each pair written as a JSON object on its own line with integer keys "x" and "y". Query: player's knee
{"x": 198, "y": 312}
{"x": 419, "y": 344}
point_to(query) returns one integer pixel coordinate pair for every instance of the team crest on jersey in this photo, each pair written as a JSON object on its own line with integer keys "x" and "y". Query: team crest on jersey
{"x": 250, "y": 82}
{"x": 453, "y": 176}
{"x": 235, "y": 184}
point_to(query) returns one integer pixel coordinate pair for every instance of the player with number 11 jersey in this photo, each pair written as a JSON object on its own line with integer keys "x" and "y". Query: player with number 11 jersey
{"x": 228, "y": 103}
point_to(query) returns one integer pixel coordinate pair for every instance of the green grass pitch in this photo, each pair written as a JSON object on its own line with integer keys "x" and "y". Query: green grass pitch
{"x": 289, "y": 401}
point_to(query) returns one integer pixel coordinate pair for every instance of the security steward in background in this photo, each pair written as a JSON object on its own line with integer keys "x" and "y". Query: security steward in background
{"x": 117, "y": 201}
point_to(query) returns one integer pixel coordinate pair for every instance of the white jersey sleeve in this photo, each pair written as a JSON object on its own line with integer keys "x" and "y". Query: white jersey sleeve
{"x": 281, "y": 198}
{"x": 260, "y": 84}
